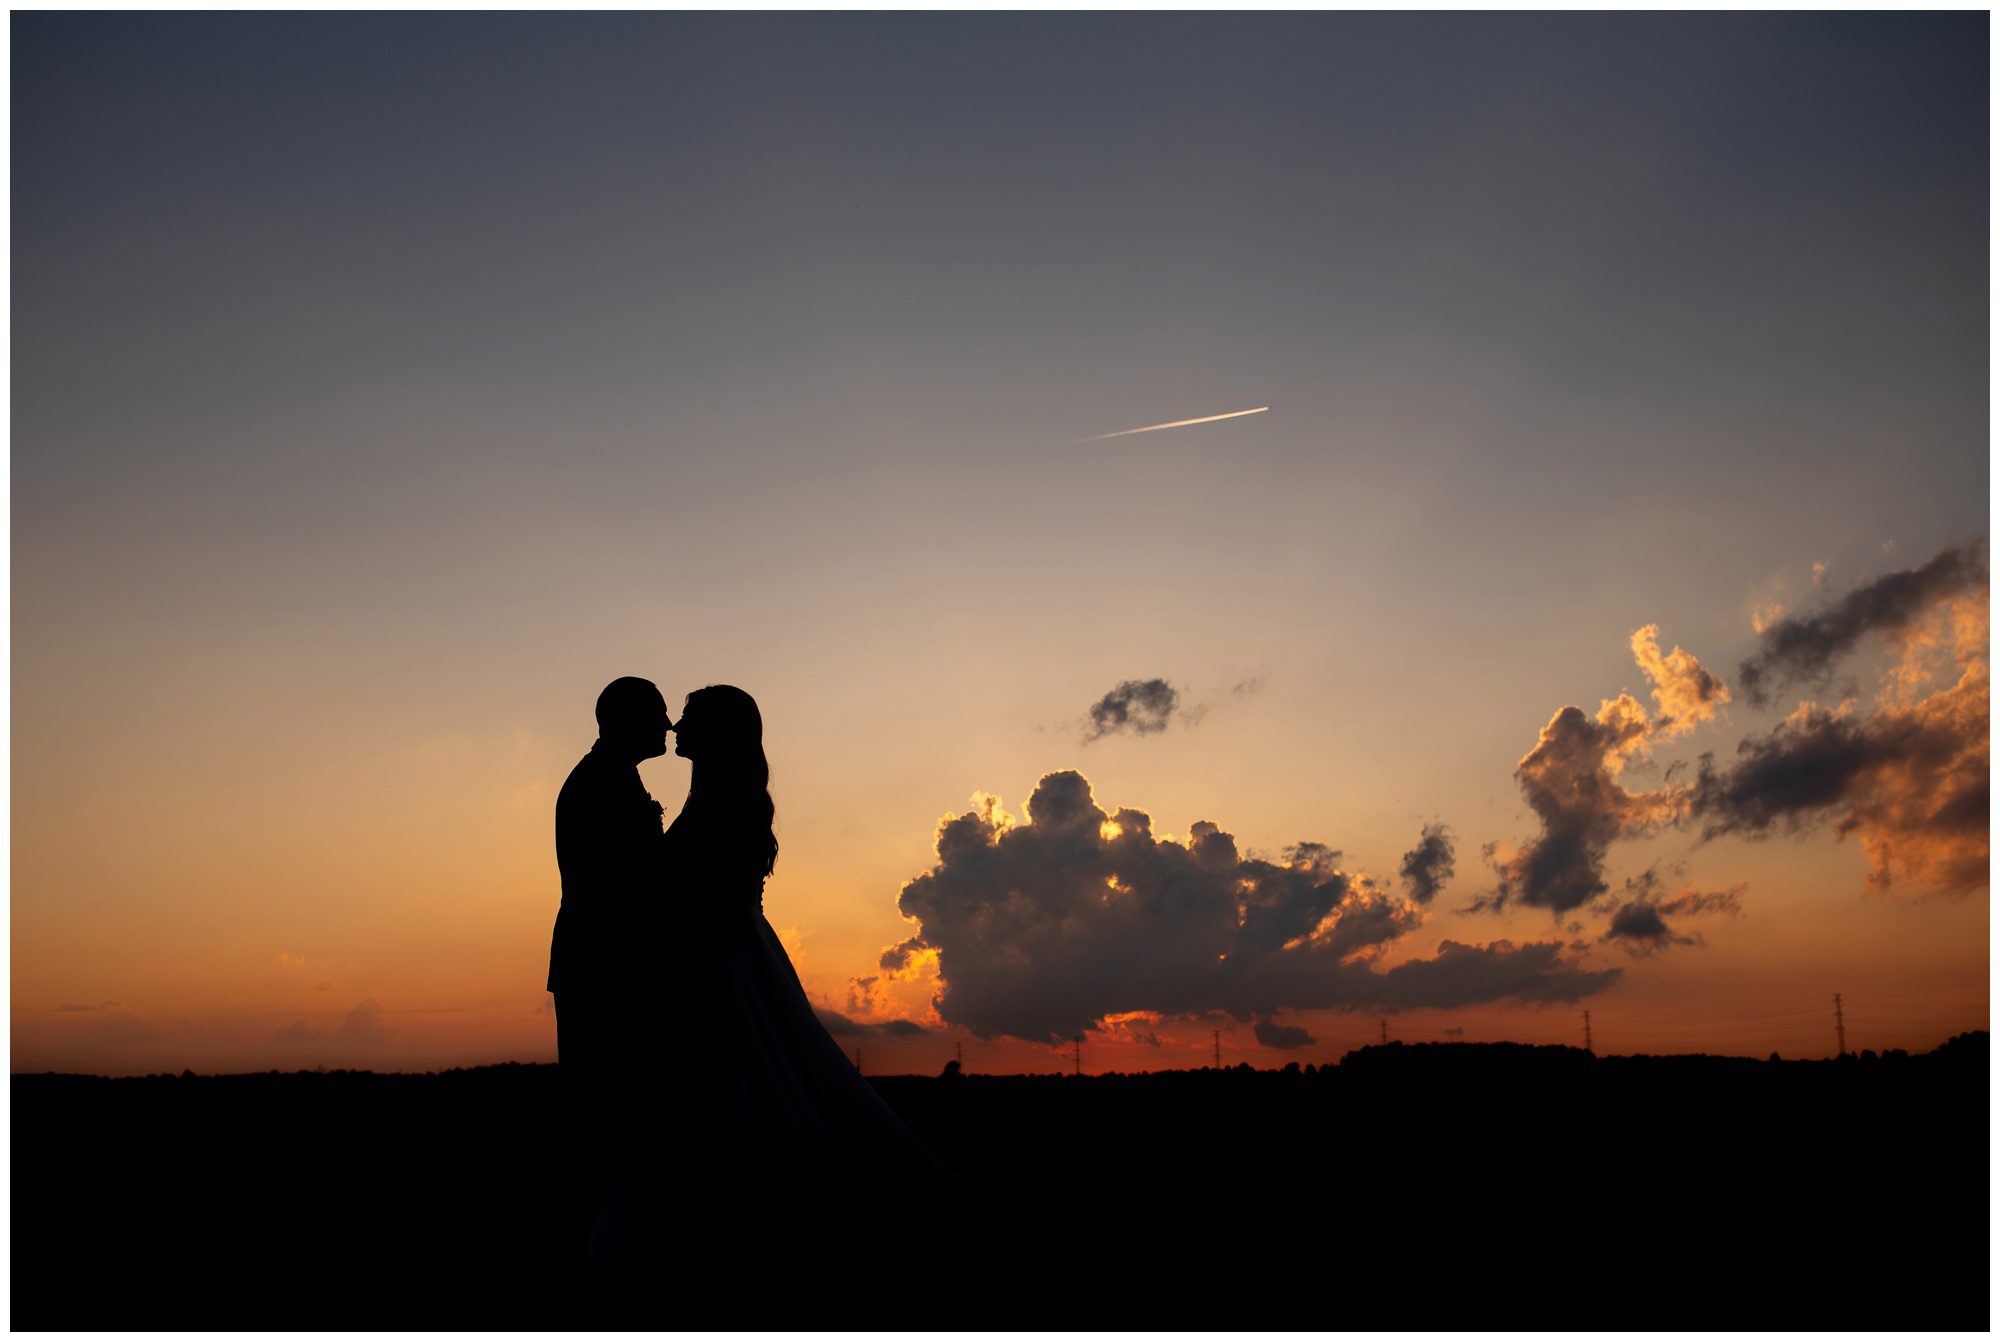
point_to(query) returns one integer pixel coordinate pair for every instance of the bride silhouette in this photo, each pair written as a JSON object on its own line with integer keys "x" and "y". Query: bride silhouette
{"x": 748, "y": 1123}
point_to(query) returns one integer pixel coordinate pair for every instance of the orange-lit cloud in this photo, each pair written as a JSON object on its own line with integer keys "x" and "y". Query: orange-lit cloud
{"x": 1803, "y": 649}
{"x": 1909, "y": 779}
{"x": 1910, "y": 783}
{"x": 1571, "y": 782}
{"x": 1687, "y": 694}
{"x": 1043, "y": 929}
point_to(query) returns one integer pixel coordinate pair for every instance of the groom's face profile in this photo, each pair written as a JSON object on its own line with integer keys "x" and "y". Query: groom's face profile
{"x": 632, "y": 716}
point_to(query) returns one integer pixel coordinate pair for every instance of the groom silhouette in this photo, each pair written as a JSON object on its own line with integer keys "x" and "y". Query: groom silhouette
{"x": 608, "y": 849}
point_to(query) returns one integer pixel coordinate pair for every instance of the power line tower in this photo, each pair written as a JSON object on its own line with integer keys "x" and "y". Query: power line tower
{"x": 857, "y": 1057}
{"x": 1839, "y": 1027}
{"x": 1586, "y": 1034}
{"x": 1385, "y": 1030}
{"x": 1218, "y": 1049}
{"x": 1077, "y": 1043}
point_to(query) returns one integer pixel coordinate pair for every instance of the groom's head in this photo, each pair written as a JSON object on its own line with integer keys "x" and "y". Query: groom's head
{"x": 632, "y": 718}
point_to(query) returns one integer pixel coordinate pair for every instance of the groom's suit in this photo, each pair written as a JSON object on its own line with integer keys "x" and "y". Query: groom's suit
{"x": 608, "y": 849}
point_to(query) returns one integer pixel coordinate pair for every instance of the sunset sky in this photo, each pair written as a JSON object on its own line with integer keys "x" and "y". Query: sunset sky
{"x": 384, "y": 385}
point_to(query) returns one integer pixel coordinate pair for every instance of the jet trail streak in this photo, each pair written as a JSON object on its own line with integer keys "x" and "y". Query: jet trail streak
{"x": 1178, "y": 424}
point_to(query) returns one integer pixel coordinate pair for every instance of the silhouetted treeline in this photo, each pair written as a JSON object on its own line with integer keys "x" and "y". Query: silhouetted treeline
{"x": 1476, "y": 1186}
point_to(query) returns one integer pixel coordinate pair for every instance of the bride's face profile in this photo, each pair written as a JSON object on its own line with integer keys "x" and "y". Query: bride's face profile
{"x": 721, "y": 724}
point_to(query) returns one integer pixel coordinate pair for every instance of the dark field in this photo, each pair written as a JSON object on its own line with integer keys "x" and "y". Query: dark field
{"x": 1433, "y": 1186}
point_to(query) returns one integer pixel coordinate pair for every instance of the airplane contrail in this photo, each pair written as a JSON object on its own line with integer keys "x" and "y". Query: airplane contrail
{"x": 1176, "y": 424}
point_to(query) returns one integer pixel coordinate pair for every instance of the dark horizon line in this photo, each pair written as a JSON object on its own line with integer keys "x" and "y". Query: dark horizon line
{"x": 1394, "y": 1045}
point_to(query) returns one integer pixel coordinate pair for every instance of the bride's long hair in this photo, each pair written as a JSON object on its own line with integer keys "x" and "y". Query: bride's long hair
{"x": 737, "y": 780}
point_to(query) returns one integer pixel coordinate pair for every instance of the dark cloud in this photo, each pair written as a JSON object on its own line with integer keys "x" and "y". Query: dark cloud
{"x": 1804, "y": 648}
{"x": 1429, "y": 865}
{"x": 1137, "y": 706}
{"x": 1908, "y": 778}
{"x": 1641, "y": 929}
{"x": 1690, "y": 903}
{"x": 1043, "y": 928}
{"x": 1641, "y": 924}
{"x": 1272, "y": 1035}
{"x": 1571, "y": 780}
{"x": 1454, "y": 1032}
{"x": 1911, "y": 783}
{"x": 1538, "y": 972}
{"x": 91, "y": 1006}
{"x": 837, "y": 1024}
{"x": 897, "y": 957}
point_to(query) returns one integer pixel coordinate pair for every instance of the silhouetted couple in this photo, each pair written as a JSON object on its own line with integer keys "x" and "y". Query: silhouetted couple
{"x": 711, "y": 1113}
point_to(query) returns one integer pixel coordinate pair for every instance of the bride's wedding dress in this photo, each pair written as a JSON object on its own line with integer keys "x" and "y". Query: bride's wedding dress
{"x": 748, "y": 1121}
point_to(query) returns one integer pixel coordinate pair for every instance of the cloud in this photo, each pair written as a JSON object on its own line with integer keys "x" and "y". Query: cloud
{"x": 1687, "y": 695}
{"x": 1643, "y": 931}
{"x": 1641, "y": 925}
{"x": 1910, "y": 783}
{"x": 1803, "y": 649}
{"x": 1906, "y": 777}
{"x": 1692, "y": 901}
{"x": 363, "y": 1023}
{"x": 1454, "y": 1032}
{"x": 1039, "y": 929}
{"x": 845, "y": 1026}
{"x": 897, "y": 957}
{"x": 837, "y": 1024}
{"x": 1140, "y": 707}
{"x": 1571, "y": 782}
{"x": 362, "y": 1026}
{"x": 1271, "y": 1035}
{"x": 91, "y": 1006}
{"x": 1429, "y": 865}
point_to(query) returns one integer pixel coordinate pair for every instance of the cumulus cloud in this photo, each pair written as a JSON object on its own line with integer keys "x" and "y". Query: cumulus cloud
{"x": 1040, "y": 929}
{"x": 1140, "y": 707}
{"x": 1430, "y": 864}
{"x": 1642, "y": 925}
{"x": 1272, "y": 1035}
{"x": 1907, "y": 777}
{"x": 363, "y": 1023}
{"x": 1686, "y": 693}
{"x": 1571, "y": 780}
{"x": 1641, "y": 929}
{"x": 1803, "y": 649}
{"x": 1910, "y": 783}
{"x": 837, "y": 1024}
